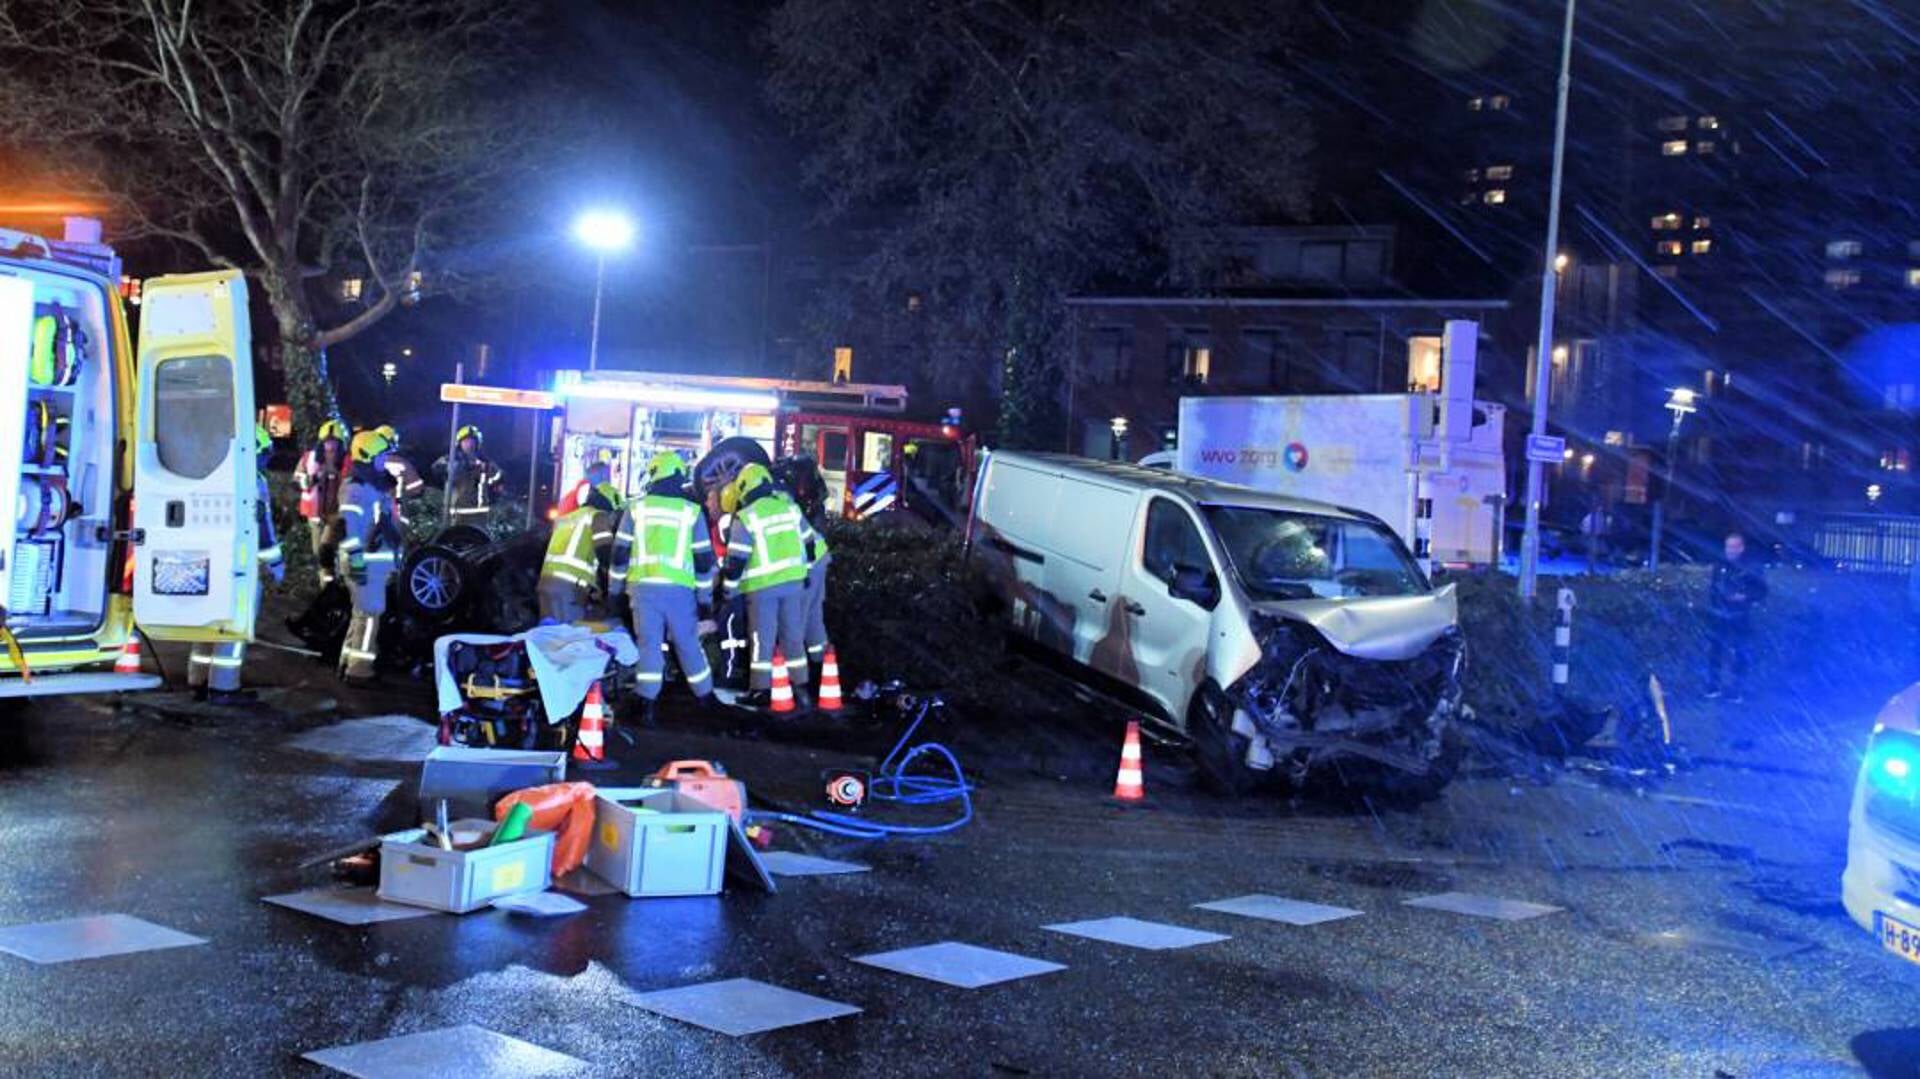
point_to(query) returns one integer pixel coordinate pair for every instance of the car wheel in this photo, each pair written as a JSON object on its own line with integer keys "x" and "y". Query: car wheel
{"x": 434, "y": 581}
{"x": 1220, "y": 752}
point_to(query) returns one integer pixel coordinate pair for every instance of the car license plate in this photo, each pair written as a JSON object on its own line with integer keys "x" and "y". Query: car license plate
{"x": 1898, "y": 937}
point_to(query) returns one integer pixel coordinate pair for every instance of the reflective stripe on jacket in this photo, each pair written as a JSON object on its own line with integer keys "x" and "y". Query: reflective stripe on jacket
{"x": 570, "y": 556}
{"x": 769, "y": 544}
{"x": 664, "y": 539}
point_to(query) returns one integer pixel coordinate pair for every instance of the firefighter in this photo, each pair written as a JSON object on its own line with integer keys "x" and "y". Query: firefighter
{"x": 319, "y": 475}
{"x": 474, "y": 478}
{"x": 369, "y": 545}
{"x": 571, "y": 572}
{"x": 599, "y": 471}
{"x": 769, "y": 549}
{"x": 663, "y": 560}
{"x": 408, "y": 483}
{"x": 213, "y": 670}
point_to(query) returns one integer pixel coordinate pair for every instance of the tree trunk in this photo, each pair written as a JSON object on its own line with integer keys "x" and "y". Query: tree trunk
{"x": 1029, "y": 383}
{"x": 303, "y": 363}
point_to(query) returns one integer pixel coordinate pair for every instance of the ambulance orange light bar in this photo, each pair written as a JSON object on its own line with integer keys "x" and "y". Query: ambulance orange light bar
{"x": 665, "y": 396}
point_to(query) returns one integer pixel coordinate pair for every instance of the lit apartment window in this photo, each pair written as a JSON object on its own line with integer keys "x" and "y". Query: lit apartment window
{"x": 1704, "y": 146}
{"x": 1673, "y": 148}
{"x": 1709, "y": 123}
{"x": 351, "y": 289}
{"x": 1701, "y": 247}
{"x": 1423, "y": 364}
{"x": 1700, "y": 221}
{"x": 1673, "y": 123}
{"x": 1842, "y": 278}
{"x": 1670, "y": 248}
{"x": 1494, "y": 196}
{"x": 1913, "y": 277}
{"x": 1499, "y": 172}
{"x": 1666, "y": 222}
{"x": 1473, "y": 176}
{"x": 1843, "y": 249}
{"x": 1199, "y": 364}
{"x": 1476, "y": 103}
{"x": 1498, "y": 102}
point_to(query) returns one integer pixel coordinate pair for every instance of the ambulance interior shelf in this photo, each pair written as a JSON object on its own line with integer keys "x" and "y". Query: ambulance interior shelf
{"x": 56, "y": 564}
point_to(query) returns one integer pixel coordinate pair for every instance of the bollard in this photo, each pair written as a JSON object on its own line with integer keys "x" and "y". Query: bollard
{"x": 1563, "y": 640}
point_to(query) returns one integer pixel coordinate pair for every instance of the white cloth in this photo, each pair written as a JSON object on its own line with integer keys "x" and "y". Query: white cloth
{"x": 565, "y": 660}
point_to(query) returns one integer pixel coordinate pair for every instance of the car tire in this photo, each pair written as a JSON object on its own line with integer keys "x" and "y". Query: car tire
{"x": 462, "y": 538}
{"x": 435, "y": 581}
{"x": 1220, "y": 753}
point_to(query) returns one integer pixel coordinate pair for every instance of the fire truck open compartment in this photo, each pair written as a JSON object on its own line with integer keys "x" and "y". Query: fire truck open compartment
{"x": 55, "y": 561}
{"x": 854, "y": 431}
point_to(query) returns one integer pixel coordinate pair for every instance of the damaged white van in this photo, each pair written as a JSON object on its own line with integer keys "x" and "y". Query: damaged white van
{"x": 1280, "y": 637}
{"x": 90, "y": 423}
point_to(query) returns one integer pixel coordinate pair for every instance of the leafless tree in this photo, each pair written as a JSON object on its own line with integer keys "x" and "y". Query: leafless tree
{"x": 300, "y": 140}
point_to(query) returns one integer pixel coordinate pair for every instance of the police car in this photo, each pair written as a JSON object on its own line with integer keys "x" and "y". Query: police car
{"x": 1881, "y": 885}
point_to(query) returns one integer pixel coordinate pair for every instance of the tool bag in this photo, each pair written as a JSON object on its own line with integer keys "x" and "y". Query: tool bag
{"x": 43, "y": 506}
{"x": 499, "y": 697}
{"x": 46, "y": 439}
{"x": 59, "y": 346}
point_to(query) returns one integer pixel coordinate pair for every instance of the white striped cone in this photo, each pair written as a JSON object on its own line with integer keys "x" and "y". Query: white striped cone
{"x": 590, "y": 742}
{"x": 781, "y": 697}
{"x": 829, "y": 700}
{"x": 1130, "y": 785}
{"x": 129, "y": 661}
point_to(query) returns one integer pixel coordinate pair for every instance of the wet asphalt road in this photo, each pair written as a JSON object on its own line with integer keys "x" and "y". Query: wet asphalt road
{"x": 1666, "y": 960}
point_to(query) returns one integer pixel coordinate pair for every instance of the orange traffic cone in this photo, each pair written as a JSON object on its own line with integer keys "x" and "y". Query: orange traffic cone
{"x": 1131, "y": 784}
{"x": 829, "y": 699}
{"x": 129, "y": 661}
{"x": 781, "y": 698}
{"x": 590, "y": 742}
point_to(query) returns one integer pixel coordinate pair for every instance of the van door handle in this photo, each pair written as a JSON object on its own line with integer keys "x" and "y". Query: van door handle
{"x": 1097, "y": 596}
{"x": 1135, "y": 608}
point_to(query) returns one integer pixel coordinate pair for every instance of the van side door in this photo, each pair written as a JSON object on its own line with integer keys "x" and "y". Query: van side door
{"x": 196, "y": 567}
{"x": 1169, "y": 633}
{"x": 1089, "y": 535}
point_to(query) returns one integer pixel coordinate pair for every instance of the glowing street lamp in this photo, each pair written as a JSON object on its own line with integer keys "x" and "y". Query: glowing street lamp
{"x": 1682, "y": 402}
{"x": 604, "y": 232}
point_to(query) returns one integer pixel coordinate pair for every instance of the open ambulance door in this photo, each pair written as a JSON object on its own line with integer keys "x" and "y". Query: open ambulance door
{"x": 16, "y": 335}
{"x": 196, "y": 567}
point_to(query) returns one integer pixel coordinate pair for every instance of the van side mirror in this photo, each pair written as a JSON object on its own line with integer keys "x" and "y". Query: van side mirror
{"x": 1195, "y": 585}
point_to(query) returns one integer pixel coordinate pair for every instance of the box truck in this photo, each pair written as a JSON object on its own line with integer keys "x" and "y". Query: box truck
{"x": 1381, "y": 454}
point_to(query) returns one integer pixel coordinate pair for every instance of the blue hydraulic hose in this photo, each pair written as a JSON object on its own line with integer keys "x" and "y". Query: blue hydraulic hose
{"x": 893, "y": 784}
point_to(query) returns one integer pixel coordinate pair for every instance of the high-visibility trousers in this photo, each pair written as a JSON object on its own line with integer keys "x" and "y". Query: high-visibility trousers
{"x": 216, "y": 666}
{"x": 361, "y": 647}
{"x": 817, "y": 610}
{"x": 777, "y": 621}
{"x": 669, "y": 614}
{"x": 561, "y": 601}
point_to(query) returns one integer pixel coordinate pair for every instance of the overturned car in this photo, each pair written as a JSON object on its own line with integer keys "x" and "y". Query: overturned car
{"x": 1284, "y": 639}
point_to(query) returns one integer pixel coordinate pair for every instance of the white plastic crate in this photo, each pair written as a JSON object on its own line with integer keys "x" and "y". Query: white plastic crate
{"x": 413, "y": 868}
{"x": 651, "y": 841}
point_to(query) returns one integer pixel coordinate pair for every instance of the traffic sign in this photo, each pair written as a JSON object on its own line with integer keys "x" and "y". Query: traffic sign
{"x": 1546, "y": 449}
{"x": 465, "y": 393}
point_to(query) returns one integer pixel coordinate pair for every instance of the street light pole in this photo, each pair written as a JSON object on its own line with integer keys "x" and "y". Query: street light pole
{"x": 1549, "y": 282}
{"x": 593, "y": 335}
{"x": 1680, "y": 403}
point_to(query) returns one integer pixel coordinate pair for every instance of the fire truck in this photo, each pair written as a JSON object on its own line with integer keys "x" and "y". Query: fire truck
{"x": 872, "y": 460}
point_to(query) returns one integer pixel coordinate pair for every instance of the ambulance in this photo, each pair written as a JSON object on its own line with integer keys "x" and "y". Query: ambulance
{"x": 132, "y": 494}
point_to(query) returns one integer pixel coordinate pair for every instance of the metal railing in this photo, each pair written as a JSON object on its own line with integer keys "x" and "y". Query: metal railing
{"x": 1868, "y": 543}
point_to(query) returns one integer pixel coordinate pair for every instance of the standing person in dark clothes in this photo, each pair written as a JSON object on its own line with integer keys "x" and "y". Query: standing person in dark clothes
{"x": 1737, "y": 587}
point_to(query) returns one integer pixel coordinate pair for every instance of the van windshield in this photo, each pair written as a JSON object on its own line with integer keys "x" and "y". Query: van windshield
{"x": 1281, "y": 555}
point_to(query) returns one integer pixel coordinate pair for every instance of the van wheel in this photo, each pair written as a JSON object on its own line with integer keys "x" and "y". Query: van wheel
{"x": 1220, "y": 753}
